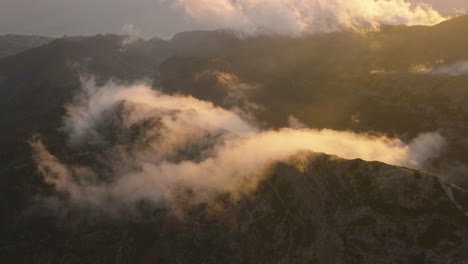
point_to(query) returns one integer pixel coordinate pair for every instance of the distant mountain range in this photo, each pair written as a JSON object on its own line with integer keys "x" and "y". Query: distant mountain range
{"x": 400, "y": 81}
{"x": 12, "y": 44}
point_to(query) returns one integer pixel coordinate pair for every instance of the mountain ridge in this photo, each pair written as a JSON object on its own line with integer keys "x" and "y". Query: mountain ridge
{"x": 311, "y": 208}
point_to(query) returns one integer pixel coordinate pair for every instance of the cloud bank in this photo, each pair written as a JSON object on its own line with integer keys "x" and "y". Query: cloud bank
{"x": 129, "y": 144}
{"x": 295, "y": 17}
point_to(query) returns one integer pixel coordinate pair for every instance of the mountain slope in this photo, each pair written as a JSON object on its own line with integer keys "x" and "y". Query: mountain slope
{"x": 36, "y": 84}
{"x": 313, "y": 208}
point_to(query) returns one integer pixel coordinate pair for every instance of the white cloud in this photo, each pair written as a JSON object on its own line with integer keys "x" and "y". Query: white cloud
{"x": 178, "y": 151}
{"x": 295, "y": 17}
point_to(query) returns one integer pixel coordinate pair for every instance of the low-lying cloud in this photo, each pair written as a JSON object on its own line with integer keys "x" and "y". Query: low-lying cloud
{"x": 455, "y": 69}
{"x": 129, "y": 144}
{"x": 296, "y": 17}
{"x": 440, "y": 67}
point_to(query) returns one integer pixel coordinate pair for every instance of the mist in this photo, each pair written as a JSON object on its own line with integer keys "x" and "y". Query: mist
{"x": 177, "y": 151}
{"x": 455, "y": 69}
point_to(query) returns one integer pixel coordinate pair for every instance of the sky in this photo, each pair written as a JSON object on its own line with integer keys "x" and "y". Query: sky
{"x": 147, "y": 18}
{"x": 446, "y": 5}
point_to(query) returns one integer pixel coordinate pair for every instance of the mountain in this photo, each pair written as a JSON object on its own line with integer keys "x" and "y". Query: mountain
{"x": 379, "y": 82}
{"x": 12, "y": 44}
{"x": 399, "y": 81}
{"x": 313, "y": 208}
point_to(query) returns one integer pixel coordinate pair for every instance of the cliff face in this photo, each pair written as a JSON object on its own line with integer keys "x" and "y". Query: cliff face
{"x": 312, "y": 209}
